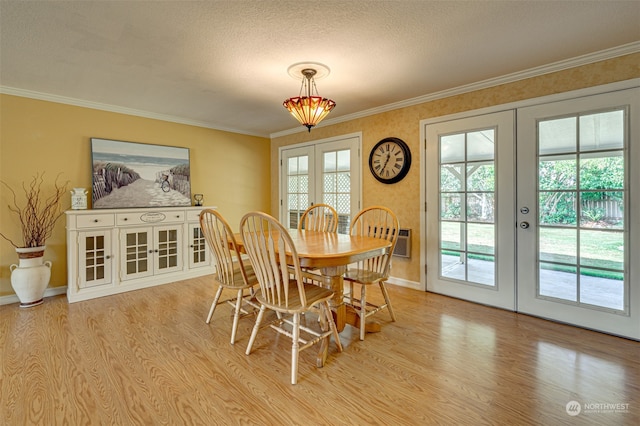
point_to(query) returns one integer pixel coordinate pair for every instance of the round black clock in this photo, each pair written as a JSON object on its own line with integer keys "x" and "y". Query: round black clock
{"x": 390, "y": 160}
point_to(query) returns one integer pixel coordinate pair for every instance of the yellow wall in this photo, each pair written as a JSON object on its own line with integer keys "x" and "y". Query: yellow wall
{"x": 231, "y": 170}
{"x": 403, "y": 197}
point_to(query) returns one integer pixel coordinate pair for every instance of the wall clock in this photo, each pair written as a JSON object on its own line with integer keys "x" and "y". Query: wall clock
{"x": 390, "y": 160}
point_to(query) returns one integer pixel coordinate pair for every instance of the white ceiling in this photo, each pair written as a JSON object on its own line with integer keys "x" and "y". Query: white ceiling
{"x": 223, "y": 64}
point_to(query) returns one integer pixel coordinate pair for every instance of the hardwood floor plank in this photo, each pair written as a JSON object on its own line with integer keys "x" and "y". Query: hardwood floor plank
{"x": 148, "y": 357}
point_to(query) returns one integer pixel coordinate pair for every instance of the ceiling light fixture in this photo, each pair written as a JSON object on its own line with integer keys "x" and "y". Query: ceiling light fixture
{"x": 309, "y": 109}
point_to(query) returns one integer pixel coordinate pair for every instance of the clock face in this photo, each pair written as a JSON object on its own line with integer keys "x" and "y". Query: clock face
{"x": 390, "y": 160}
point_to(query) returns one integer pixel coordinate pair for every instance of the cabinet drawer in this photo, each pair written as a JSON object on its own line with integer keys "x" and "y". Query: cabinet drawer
{"x": 140, "y": 218}
{"x": 94, "y": 221}
{"x": 193, "y": 215}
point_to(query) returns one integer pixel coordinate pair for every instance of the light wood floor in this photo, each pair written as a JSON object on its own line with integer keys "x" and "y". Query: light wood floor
{"x": 148, "y": 358}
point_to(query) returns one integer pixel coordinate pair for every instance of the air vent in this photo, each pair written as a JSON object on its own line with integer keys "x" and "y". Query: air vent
{"x": 403, "y": 245}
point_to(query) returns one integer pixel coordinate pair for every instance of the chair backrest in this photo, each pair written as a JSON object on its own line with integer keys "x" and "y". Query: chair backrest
{"x": 377, "y": 222}
{"x": 319, "y": 217}
{"x": 224, "y": 248}
{"x": 275, "y": 261}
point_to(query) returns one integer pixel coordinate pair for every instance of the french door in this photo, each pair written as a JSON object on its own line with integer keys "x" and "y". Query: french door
{"x": 470, "y": 197}
{"x": 578, "y": 211}
{"x": 322, "y": 172}
{"x": 542, "y": 220}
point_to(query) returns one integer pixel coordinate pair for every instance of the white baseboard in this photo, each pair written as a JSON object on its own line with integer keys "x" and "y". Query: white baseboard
{"x": 405, "y": 283}
{"x": 7, "y": 300}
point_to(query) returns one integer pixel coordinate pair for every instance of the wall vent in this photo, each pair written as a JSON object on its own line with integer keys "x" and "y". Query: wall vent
{"x": 403, "y": 245}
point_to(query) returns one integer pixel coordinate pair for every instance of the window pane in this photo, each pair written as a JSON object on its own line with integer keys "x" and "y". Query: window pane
{"x": 602, "y": 249}
{"x": 451, "y": 206}
{"x": 602, "y": 130}
{"x": 480, "y": 207}
{"x": 482, "y": 270}
{"x": 557, "y": 136}
{"x": 451, "y": 235}
{"x": 344, "y": 182}
{"x": 344, "y": 160}
{"x": 452, "y": 265}
{"x": 559, "y": 245}
{"x": 293, "y": 184}
{"x": 451, "y": 178}
{"x": 329, "y": 182}
{"x": 558, "y": 281}
{"x": 602, "y": 289}
{"x": 303, "y": 164}
{"x": 602, "y": 171}
{"x": 481, "y": 145}
{"x": 293, "y": 165}
{"x": 557, "y": 208}
{"x": 558, "y": 172}
{"x": 452, "y": 148}
{"x": 330, "y": 161}
{"x": 480, "y": 177}
{"x": 602, "y": 209}
{"x": 481, "y": 238}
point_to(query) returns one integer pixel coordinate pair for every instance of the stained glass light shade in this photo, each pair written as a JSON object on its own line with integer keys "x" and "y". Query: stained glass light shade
{"x": 309, "y": 110}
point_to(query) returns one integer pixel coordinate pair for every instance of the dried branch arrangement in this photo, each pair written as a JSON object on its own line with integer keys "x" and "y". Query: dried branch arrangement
{"x": 39, "y": 214}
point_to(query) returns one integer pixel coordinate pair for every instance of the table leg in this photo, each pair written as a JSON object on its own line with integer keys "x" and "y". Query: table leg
{"x": 334, "y": 281}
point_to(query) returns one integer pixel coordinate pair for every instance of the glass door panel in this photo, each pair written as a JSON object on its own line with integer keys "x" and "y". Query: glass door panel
{"x": 579, "y": 154}
{"x": 472, "y": 192}
{"x": 297, "y": 172}
{"x": 325, "y": 172}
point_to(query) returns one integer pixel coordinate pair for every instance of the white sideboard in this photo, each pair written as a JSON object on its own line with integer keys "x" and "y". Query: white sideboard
{"x": 118, "y": 250}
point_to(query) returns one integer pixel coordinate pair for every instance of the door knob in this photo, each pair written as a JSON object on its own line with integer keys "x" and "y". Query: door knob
{"x": 524, "y": 225}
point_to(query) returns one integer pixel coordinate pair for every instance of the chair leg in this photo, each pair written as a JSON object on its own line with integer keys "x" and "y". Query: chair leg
{"x": 236, "y": 316}
{"x": 363, "y": 309}
{"x": 256, "y": 327}
{"x": 332, "y": 325}
{"x": 387, "y": 300}
{"x": 214, "y": 304}
{"x": 295, "y": 348}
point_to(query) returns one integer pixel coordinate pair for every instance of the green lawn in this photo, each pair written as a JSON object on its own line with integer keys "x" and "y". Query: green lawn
{"x": 599, "y": 249}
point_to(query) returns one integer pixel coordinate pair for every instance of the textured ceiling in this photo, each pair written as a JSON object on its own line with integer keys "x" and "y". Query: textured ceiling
{"x": 223, "y": 64}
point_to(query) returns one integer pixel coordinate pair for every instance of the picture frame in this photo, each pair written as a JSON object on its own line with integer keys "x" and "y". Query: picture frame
{"x": 133, "y": 174}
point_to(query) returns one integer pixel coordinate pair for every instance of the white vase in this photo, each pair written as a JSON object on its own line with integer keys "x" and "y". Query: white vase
{"x": 31, "y": 277}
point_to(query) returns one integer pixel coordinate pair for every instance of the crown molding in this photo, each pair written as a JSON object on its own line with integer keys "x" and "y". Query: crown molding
{"x": 118, "y": 109}
{"x": 590, "y": 58}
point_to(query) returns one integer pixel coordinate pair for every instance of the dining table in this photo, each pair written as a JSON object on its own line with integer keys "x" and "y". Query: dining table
{"x": 330, "y": 253}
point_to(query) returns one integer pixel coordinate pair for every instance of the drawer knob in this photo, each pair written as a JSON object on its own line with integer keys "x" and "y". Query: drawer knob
{"x": 95, "y": 220}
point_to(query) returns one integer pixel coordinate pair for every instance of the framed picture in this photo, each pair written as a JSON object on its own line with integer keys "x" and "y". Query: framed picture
{"x": 131, "y": 174}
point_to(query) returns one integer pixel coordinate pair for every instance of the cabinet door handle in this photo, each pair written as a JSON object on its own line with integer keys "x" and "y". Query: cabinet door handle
{"x": 107, "y": 257}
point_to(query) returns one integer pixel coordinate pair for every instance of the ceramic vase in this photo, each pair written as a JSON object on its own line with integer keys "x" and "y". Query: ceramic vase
{"x": 30, "y": 277}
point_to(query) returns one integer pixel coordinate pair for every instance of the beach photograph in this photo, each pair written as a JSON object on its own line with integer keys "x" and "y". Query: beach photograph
{"x": 131, "y": 174}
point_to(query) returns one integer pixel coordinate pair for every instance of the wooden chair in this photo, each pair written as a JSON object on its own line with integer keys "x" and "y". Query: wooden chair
{"x": 231, "y": 271}
{"x": 319, "y": 217}
{"x": 377, "y": 222}
{"x": 282, "y": 288}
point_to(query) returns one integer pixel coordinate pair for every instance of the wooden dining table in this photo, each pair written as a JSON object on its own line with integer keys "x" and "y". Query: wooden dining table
{"x": 330, "y": 253}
